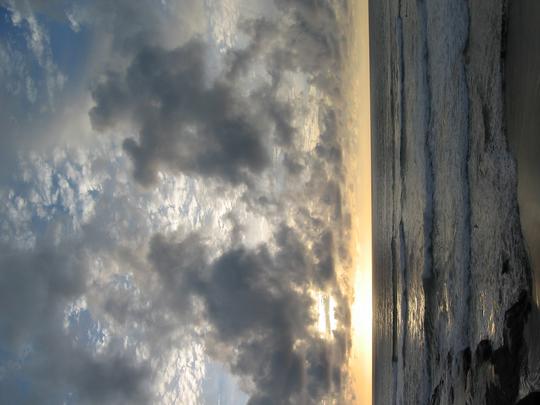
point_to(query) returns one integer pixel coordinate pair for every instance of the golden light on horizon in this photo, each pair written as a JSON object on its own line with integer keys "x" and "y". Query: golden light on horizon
{"x": 357, "y": 156}
{"x": 361, "y": 312}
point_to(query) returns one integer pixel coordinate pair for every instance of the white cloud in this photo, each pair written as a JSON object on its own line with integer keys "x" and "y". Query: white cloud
{"x": 38, "y": 42}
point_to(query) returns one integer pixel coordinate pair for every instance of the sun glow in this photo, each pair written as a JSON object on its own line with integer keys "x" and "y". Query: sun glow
{"x": 361, "y": 312}
{"x": 326, "y": 309}
{"x": 357, "y": 156}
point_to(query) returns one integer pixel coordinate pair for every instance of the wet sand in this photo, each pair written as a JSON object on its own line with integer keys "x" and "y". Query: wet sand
{"x": 522, "y": 98}
{"x": 522, "y": 73}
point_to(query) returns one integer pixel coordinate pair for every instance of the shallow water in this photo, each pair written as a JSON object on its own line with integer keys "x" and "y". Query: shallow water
{"x": 450, "y": 272}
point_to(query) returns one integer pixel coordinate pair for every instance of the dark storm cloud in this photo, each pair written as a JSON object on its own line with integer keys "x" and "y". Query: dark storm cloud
{"x": 43, "y": 362}
{"x": 189, "y": 125}
{"x": 184, "y": 124}
{"x": 258, "y": 305}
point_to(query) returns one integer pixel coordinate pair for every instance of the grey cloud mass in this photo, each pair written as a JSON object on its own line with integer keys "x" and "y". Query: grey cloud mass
{"x": 184, "y": 123}
{"x": 34, "y": 289}
{"x": 217, "y": 129}
{"x": 258, "y": 305}
{"x": 238, "y": 230}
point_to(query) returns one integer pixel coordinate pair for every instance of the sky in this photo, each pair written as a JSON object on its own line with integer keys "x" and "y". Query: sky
{"x": 175, "y": 209}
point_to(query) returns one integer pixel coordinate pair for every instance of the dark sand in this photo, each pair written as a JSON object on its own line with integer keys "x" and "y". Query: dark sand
{"x": 522, "y": 74}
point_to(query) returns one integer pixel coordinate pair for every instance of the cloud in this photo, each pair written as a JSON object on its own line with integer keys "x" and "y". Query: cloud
{"x": 29, "y": 82}
{"x": 306, "y": 37}
{"x": 77, "y": 287}
{"x": 38, "y": 42}
{"x": 44, "y": 81}
{"x": 224, "y": 127}
{"x": 184, "y": 124}
{"x": 35, "y": 287}
{"x": 231, "y": 271}
{"x": 260, "y": 311}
